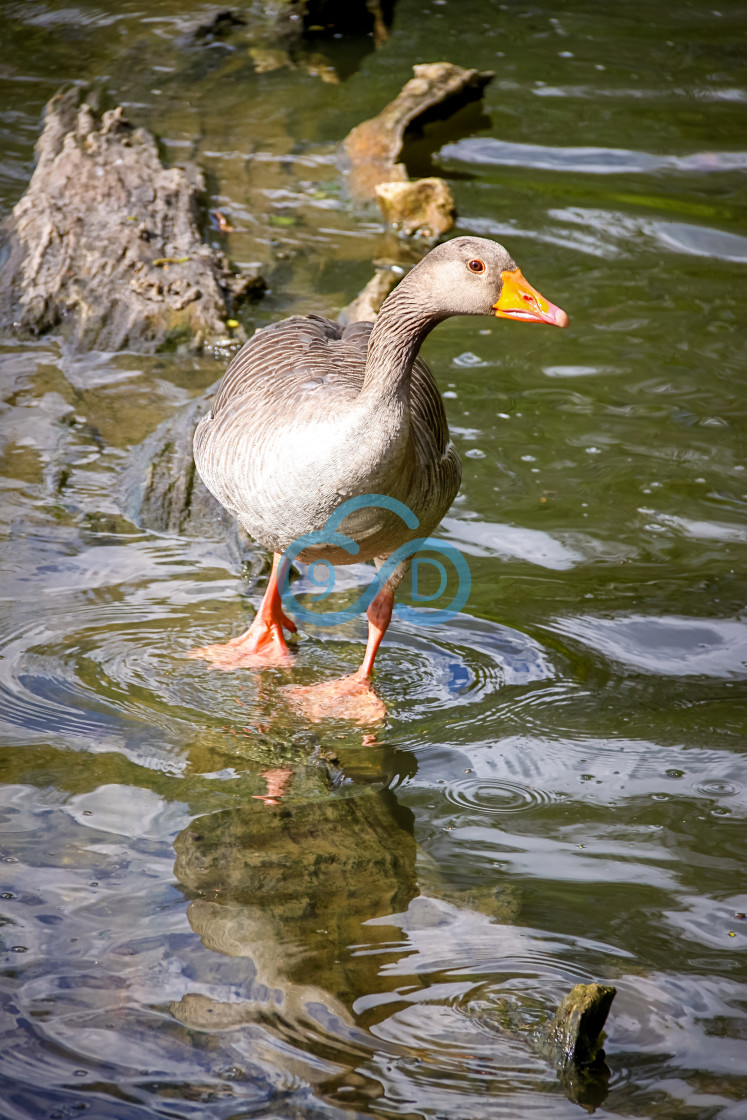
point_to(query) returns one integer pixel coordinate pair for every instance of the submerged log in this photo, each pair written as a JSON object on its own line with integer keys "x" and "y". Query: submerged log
{"x": 372, "y": 149}
{"x": 161, "y": 489}
{"x": 104, "y": 244}
{"x": 573, "y": 1040}
{"x": 575, "y": 1034}
{"x": 218, "y": 27}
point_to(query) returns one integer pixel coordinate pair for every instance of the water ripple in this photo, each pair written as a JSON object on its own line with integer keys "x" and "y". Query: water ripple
{"x": 597, "y": 161}
{"x": 713, "y": 787}
{"x": 665, "y": 645}
{"x": 494, "y": 796}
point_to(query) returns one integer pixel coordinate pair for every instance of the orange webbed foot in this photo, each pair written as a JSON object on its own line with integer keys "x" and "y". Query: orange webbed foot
{"x": 263, "y": 645}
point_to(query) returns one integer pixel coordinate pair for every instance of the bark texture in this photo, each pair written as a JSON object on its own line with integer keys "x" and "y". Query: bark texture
{"x": 104, "y": 245}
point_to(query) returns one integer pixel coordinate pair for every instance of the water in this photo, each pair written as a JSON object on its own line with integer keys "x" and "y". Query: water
{"x": 558, "y": 792}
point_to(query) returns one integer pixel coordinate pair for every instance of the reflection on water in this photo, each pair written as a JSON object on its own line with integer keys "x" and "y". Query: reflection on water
{"x": 558, "y": 792}
{"x": 293, "y": 889}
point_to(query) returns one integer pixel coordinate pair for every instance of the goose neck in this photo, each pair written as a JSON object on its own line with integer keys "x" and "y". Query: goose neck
{"x": 399, "y": 331}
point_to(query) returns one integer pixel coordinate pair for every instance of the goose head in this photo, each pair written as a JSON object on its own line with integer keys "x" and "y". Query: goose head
{"x": 474, "y": 276}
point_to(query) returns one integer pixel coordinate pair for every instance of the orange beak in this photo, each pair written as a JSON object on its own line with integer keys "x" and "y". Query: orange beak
{"x": 519, "y": 300}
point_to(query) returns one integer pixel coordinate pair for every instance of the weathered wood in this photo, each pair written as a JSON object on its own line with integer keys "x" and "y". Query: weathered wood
{"x": 424, "y": 208}
{"x": 573, "y": 1041}
{"x": 371, "y": 151}
{"x": 104, "y": 245}
{"x": 575, "y": 1034}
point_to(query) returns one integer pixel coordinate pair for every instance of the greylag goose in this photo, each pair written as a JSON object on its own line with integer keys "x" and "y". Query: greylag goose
{"x": 310, "y": 414}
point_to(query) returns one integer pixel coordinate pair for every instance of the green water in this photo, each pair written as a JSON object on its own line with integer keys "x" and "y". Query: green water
{"x": 558, "y": 792}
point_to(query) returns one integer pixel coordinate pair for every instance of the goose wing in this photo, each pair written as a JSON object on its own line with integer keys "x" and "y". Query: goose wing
{"x": 296, "y": 356}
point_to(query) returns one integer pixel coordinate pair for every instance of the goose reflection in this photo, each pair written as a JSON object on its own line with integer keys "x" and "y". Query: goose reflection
{"x": 291, "y": 886}
{"x": 323, "y": 888}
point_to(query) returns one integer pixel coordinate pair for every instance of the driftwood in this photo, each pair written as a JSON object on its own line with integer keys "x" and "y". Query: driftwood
{"x": 371, "y": 151}
{"x": 573, "y": 1041}
{"x": 104, "y": 244}
{"x": 575, "y": 1033}
{"x": 424, "y": 208}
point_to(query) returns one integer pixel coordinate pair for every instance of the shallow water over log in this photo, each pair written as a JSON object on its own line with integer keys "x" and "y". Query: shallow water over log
{"x": 558, "y": 793}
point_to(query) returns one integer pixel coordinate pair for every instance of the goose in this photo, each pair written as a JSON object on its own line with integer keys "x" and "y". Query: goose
{"x": 311, "y": 413}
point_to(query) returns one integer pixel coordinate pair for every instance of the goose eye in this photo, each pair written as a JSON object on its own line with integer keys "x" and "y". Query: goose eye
{"x": 476, "y": 266}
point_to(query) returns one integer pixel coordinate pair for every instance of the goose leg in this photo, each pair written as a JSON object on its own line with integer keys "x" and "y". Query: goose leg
{"x": 350, "y": 697}
{"x": 379, "y": 616}
{"x": 263, "y": 644}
